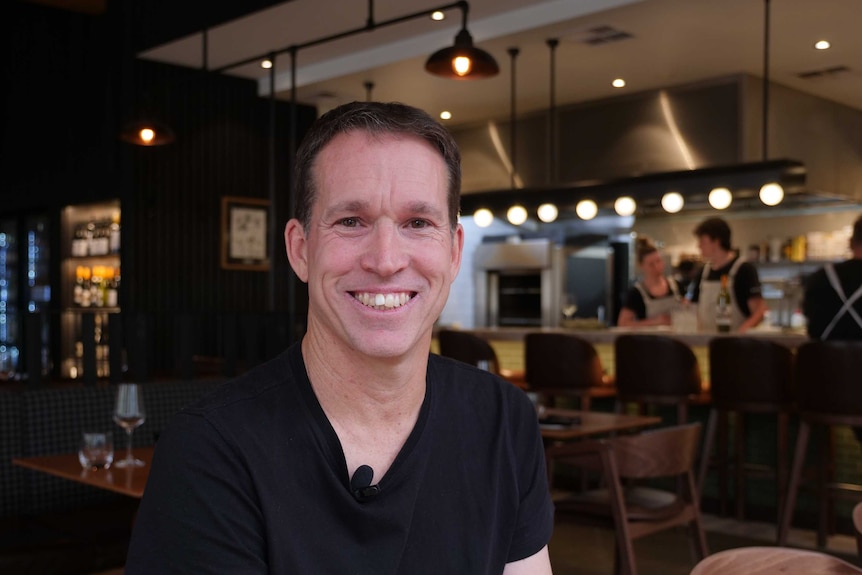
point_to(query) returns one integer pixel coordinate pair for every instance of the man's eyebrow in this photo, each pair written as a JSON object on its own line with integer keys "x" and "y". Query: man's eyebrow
{"x": 424, "y": 208}
{"x": 345, "y": 207}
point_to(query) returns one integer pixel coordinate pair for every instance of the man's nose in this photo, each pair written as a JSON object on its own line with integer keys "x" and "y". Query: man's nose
{"x": 385, "y": 253}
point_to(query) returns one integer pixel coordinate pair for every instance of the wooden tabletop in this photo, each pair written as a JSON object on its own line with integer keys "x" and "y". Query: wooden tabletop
{"x": 594, "y": 423}
{"x": 767, "y": 560}
{"x": 128, "y": 481}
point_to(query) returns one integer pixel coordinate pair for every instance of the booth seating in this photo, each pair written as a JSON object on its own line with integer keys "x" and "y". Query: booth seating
{"x": 656, "y": 370}
{"x": 53, "y": 525}
{"x": 828, "y": 395}
{"x": 564, "y": 365}
{"x": 747, "y": 375}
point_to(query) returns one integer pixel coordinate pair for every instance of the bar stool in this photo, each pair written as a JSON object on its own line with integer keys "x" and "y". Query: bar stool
{"x": 469, "y": 348}
{"x": 559, "y": 364}
{"x": 747, "y": 375}
{"x": 828, "y": 394}
{"x": 655, "y": 370}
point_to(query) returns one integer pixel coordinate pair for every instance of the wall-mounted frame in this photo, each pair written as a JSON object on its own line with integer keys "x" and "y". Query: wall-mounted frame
{"x": 244, "y": 234}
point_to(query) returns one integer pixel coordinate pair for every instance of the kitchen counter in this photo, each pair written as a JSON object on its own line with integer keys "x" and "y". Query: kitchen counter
{"x": 608, "y": 335}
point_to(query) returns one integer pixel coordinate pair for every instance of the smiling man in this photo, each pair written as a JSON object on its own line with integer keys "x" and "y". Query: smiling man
{"x": 356, "y": 450}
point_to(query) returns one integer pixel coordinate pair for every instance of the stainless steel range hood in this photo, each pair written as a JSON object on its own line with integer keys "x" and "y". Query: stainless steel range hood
{"x": 627, "y": 144}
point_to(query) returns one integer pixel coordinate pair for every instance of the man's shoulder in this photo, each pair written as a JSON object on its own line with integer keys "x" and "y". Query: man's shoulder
{"x": 255, "y": 384}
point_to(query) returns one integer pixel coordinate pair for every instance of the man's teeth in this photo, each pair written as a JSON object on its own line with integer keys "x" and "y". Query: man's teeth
{"x": 383, "y": 301}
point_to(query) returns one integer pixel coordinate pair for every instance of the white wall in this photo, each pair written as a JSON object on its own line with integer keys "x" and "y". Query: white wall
{"x": 459, "y": 310}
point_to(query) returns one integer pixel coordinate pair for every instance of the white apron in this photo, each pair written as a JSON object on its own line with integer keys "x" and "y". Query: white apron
{"x": 662, "y": 305}
{"x": 847, "y": 303}
{"x": 709, "y": 296}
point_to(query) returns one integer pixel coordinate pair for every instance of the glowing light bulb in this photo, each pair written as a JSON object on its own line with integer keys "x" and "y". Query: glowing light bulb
{"x": 672, "y": 202}
{"x": 266, "y": 64}
{"x": 437, "y": 15}
{"x": 625, "y": 206}
{"x": 822, "y": 45}
{"x": 548, "y": 213}
{"x": 483, "y": 217}
{"x": 462, "y": 65}
{"x": 720, "y": 198}
{"x": 586, "y": 209}
{"x": 445, "y": 115}
{"x": 516, "y": 215}
{"x": 147, "y": 135}
{"x": 771, "y": 194}
{"x": 618, "y": 83}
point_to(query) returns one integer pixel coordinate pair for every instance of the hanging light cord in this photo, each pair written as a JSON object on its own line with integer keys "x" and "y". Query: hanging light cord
{"x": 513, "y": 52}
{"x": 765, "y": 119}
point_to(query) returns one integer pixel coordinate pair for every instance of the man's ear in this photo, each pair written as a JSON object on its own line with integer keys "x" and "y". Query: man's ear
{"x": 296, "y": 245}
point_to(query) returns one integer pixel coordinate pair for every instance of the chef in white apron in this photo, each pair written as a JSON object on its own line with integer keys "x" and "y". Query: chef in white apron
{"x": 652, "y": 299}
{"x": 706, "y": 303}
{"x": 846, "y": 302}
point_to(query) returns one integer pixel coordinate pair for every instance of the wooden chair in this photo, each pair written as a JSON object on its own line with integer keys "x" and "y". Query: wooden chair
{"x": 564, "y": 365}
{"x": 827, "y": 381}
{"x": 626, "y": 504}
{"x": 656, "y": 370}
{"x": 469, "y": 348}
{"x": 772, "y": 561}
{"x": 857, "y": 527}
{"x": 747, "y": 375}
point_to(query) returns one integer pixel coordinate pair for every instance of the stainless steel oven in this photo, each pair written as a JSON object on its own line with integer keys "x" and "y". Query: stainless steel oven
{"x": 517, "y": 284}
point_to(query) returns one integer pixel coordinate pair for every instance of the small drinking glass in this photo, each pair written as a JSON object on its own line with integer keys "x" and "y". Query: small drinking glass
{"x": 96, "y": 450}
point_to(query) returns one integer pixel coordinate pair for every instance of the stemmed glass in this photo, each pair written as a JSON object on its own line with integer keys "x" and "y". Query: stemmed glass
{"x": 570, "y": 306}
{"x": 129, "y": 414}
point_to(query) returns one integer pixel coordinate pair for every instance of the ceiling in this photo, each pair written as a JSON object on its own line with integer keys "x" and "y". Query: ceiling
{"x": 671, "y": 42}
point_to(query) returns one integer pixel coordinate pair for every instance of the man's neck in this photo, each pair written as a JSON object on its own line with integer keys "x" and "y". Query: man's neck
{"x": 722, "y": 259}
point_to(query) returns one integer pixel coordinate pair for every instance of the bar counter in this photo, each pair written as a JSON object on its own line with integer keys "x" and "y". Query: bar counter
{"x": 508, "y": 342}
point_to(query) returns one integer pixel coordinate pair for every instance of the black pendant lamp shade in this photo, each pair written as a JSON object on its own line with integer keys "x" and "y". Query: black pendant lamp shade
{"x": 147, "y": 133}
{"x": 462, "y": 61}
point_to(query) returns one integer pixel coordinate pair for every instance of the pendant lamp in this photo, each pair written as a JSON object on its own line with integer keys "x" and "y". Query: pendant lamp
{"x": 462, "y": 60}
{"x": 147, "y": 133}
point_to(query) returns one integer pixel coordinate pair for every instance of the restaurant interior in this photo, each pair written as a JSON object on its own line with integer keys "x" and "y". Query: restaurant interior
{"x": 583, "y": 126}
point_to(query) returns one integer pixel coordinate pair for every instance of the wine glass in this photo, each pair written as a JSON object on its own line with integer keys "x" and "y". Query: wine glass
{"x": 570, "y": 306}
{"x": 129, "y": 414}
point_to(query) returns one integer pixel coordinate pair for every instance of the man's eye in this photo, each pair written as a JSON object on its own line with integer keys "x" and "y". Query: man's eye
{"x": 418, "y": 224}
{"x": 349, "y": 222}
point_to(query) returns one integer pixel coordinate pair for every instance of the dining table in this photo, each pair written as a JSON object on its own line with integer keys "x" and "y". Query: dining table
{"x": 128, "y": 481}
{"x": 568, "y": 424}
{"x": 767, "y": 560}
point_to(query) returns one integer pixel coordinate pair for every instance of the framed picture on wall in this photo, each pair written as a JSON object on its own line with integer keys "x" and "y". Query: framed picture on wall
{"x": 245, "y": 234}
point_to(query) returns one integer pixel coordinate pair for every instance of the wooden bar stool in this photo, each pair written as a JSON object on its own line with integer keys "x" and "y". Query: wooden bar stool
{"x": 558, "y": 364}
{"x": 828, "y": 394}
{"x": 747, "y": 375}
{"x": 469, "y": 348}
{"x": 656, "y": 370}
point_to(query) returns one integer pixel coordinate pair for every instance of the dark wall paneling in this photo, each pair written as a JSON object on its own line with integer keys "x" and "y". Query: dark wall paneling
{"x": 221, "y": 149}
{"x": 72, "y": 81}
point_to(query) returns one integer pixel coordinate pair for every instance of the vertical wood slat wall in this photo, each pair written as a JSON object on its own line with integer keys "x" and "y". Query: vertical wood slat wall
{"x": 76, "y": 82}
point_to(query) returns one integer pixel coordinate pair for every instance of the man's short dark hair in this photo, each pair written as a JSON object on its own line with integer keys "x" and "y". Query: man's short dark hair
{"x": 856, "y": 238}
{"x": 376, "y": 119}
{"x": 715, "y": 229}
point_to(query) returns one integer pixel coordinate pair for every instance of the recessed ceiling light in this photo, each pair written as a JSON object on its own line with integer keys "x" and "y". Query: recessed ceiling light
{"x": 438, "y": 15}
{"x": 266, "y": 64}
{"x": 822, "y": 45}
{"x": 445, "y": 115}
{"x": 618, "y": 83}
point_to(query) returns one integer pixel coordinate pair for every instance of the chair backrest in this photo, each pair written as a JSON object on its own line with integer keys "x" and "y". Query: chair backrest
{"x": 663, "y": 452}
{"x": 560, "y": 361}
{"x": 655, "y": 365}
{"x": 857, "y": 527}
{"x": 828, "y": 377}
{"x": 750, "y": 370}
{"x": 467, "y": 347}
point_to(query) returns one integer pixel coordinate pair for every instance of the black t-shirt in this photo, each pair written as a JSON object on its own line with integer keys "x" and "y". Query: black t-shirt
{"x": 821, "y": 302}
{"x": 252, "y": 479}
{"x": 746, "y": 283}
{"x": 635, "y": 301}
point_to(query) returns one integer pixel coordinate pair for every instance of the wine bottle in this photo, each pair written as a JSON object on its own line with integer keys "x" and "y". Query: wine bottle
{"x": 723, "y": 307}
